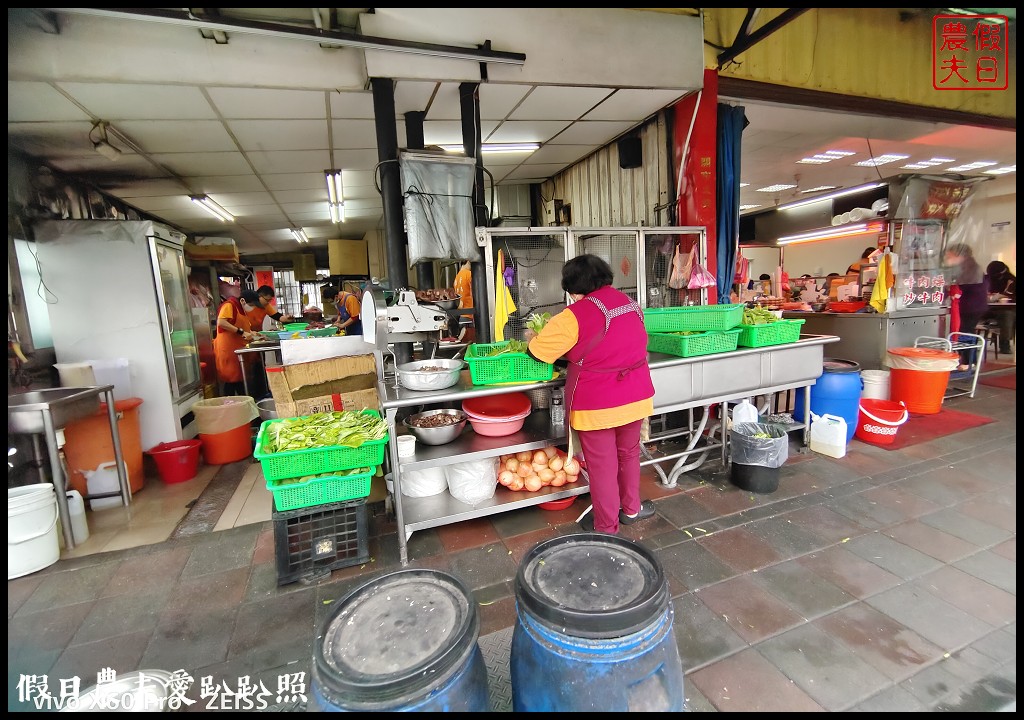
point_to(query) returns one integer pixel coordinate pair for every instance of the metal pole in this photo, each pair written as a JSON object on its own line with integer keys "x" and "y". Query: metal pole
{"x": 469, "y": 100}
{"x": 391, "y": 193}
{"x": 59, "y": 482}
{"x": 115, "y": 435}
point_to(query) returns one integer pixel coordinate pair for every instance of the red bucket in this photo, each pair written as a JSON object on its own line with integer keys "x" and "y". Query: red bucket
{"x": 176, "y": 461}
{"x": 879, "y": 420}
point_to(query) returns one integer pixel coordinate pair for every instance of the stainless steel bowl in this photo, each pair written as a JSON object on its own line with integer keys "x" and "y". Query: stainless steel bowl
{"x": 412, "y": 375}
{"x": 437, "y": 435}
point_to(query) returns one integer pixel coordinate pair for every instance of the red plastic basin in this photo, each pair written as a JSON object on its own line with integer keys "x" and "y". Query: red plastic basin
{"x": 498, "y": 407}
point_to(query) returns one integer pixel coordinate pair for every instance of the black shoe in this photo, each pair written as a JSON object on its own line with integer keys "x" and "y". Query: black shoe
{"x": 587, "y": 522}
{"x": 646, "y": 510}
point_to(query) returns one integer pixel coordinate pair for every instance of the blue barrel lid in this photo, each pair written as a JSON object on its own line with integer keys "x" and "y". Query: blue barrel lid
{"x": 592, "y": 585}
{"x": 391, "y": 635}
{"x": 838, "y": 365}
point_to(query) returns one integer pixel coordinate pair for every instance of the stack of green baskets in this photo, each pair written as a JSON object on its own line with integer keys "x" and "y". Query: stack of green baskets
{"x": 301, "y": 478}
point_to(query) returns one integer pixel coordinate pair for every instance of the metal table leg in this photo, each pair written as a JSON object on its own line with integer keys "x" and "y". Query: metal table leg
{"x": 245, "y": 379}
{"x": 59, "y": 481}
{"x": 115, "y": 435}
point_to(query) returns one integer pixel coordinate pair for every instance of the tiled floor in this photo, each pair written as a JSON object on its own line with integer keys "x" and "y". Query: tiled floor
{"x": 884, "y": 580}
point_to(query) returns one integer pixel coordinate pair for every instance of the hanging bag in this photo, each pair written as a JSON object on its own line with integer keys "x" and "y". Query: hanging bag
{"x": 699, "y": 276}
{"x": 682, "y": 266}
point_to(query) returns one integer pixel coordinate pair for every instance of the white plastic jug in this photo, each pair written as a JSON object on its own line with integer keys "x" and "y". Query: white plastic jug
{"x": 828, "y": 435}
{"x": 744, "y": 412}
{"x": 102, "y": 480}
{"x": 79, "y": 524}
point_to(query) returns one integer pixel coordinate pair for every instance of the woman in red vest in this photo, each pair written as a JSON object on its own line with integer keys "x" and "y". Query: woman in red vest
{"x": 608, "y": 387}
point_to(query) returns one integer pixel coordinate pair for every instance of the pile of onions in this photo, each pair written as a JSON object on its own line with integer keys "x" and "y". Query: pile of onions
{"x": 530, "y": 471}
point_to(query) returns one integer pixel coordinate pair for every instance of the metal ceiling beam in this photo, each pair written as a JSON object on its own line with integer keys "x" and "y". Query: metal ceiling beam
{"x": 323, "y": 37}
{"x": 745, "y": 41}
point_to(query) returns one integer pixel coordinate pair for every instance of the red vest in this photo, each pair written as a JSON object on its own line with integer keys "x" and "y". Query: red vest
{"x": 608, "y": 364}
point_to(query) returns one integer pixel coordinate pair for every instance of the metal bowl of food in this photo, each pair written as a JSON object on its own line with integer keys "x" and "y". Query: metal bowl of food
{"x": 436, "y": 427}
{"x": 436, "y": 374}
{"x": 818, "y": 306}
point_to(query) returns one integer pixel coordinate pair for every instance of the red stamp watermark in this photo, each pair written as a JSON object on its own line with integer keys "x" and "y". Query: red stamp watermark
{"x": 970, "y": 52}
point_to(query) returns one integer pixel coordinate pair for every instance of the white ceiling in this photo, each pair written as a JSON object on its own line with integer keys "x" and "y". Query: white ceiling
{"x": 259, "y": 148}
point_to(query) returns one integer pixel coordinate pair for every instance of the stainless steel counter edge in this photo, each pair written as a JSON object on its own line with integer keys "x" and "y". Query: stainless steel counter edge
{"x": 659, "y": 360}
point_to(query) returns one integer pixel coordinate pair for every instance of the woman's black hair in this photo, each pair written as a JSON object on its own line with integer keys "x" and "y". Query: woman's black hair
{"x": 997, "y": 268}
{"x": 867, "y": 251}
{"x": 251, "y": 296}
{"x": 586, "y": 273}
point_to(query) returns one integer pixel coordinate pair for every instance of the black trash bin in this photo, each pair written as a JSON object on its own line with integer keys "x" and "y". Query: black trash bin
{"x": 758, "y": 451}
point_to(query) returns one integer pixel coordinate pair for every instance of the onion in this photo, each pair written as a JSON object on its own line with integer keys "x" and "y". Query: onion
{"x": 547, "y": 475}
{"x": 550, "y": 451}
{"x": 505, "y": 477}
{"x": 516, "y": 484}
{"x": 540, "y": 458}
{"x": 533, "y": 483}
{"x": 524, "y": 456}
{"x": 556, "y": 463}
{"x": 537, "y": 467}
{"x": 559, "y": 479}
{"x": 572, "y": 467}
{"x": 512, "y": 463}
{"x": 524, "y": 470}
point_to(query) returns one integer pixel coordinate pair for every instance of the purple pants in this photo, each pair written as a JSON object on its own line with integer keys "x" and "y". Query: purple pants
{"x": 612, "y": 457}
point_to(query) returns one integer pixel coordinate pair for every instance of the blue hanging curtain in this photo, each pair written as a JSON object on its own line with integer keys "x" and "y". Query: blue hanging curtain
{"x": 731, "y": 121}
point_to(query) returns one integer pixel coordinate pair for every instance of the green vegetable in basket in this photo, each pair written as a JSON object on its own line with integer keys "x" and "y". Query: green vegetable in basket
{"x": 513, "y": 346}
{"x": 758, "y": 316}
{"x": 346, "y": 428}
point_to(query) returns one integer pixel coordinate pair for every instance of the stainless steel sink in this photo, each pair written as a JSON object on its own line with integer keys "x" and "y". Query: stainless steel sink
{"x": 65, "y": 404}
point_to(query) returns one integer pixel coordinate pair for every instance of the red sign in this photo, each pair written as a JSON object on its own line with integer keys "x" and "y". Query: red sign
{"x": 264, "y": 277}
{"x": 970, "y": 52}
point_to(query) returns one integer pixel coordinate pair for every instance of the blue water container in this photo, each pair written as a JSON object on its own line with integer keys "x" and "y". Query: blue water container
{"x": 594, "y": 629}
{"x": 837, "y": 392}
{"x": 403, "y": 642}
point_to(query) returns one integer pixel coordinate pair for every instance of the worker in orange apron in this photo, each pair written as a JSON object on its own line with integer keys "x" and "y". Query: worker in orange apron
{"x": 234, "y": 331}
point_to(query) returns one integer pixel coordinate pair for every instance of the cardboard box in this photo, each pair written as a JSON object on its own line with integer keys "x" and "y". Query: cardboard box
{"x": 307, "y": 350}
{"x": 339, "y": 383}
{"x": 348, "y": 257}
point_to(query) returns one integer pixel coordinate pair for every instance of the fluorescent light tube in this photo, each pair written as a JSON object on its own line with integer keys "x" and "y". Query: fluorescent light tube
{"x": 211, "y": 207}
{"x": 337, "y": 212}
{"x": 335, "y": 188}
{"x": 833, "y": 234}
{"x": 496, "y": 148}
{"x": 300, "y": 235}
{"x": 830, "y": 196}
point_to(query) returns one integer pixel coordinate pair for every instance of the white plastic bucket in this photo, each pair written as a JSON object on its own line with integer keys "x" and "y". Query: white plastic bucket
{"x": 114, "y": 372}
{"x": 32, "y": 542}
{"x": 876, "y": 384}
{"x": 77, "y": 374}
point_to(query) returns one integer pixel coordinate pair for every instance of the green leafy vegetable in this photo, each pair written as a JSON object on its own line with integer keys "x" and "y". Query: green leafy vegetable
{"x": 537, "y": 321}
{"x": 347, "y": 428}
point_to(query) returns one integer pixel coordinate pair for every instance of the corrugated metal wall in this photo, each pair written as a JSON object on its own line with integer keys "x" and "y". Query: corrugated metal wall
{"x": 601, "y": 194}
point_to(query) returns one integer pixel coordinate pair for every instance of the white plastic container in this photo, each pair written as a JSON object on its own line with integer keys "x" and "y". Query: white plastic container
{"x": 32, "y": 542}
{"x": 102, "y": 480}
{"x": 406, "y": 445}
{"x": 77, "y": 374}
{"x": 828, "y": 435}
{"x": 744, "y": 412}
{"x": 114, "y": 372}
{"x": 79, "y": 523}
{"x": 876, "y": 384}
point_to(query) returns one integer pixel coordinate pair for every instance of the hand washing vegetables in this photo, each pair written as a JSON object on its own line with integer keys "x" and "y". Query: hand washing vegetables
{"x": 345, "y": 427}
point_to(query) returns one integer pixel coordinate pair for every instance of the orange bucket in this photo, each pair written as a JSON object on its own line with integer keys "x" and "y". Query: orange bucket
{"x": 227, "y": 447}
{"x": 921, "y": 391}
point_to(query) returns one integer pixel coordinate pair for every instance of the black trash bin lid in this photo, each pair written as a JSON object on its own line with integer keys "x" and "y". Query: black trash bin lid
{"x": 838, "y": 365}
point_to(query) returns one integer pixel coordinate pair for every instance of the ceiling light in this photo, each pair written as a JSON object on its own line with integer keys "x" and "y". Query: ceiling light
{"x": 299, "y": 234}
{"x": 775, "y": 188}
{"x": 881, "y": 160}
{"x": 977, "y": 165}
{"x": 815, "y": 160}
{"x": 839, "y": 232}
{"x": 337, "y": 212}
{"x": 495, "y": 148}
{"x": 1002, "y": 170}
{"x": 335, "y": 187}
{"x": 102, "y": 144}
{"x": 211, "y": 207}
{"x": 820, "y": 188}
{"x": 742, "y": 184}
{"x": 839, "y": 153}
{"x": 830, "y": 196}
{"x": 748, "y": 207}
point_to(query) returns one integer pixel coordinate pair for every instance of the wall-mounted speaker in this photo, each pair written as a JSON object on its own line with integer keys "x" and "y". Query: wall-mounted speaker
{"x": 630, "y": 152}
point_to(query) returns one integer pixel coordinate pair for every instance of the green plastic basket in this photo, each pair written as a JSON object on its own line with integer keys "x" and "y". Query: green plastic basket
{"x": 702, "y": 318}
{"x": 316, "y": 461}
{"x": 323, "y": 332}
{"x": 504, "y": 368}
{"x": 291, "y": 495}
{"x": 271, "y": 334}
{"x": 705, "y": 343}
{"x": 296, "y": 326}
{"x": 775, "y": 333}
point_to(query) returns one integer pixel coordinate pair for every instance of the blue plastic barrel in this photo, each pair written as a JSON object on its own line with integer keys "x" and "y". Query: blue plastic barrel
{"x": 403, "y": 642}
{"x": 594, "y": 629}
{"x": 836, "y": 392}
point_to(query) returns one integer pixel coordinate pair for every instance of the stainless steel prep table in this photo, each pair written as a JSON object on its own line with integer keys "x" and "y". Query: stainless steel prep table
{"x": 680, "y": 383}
{"x": 866, "y": 337}
{"x": 242, "y": 352}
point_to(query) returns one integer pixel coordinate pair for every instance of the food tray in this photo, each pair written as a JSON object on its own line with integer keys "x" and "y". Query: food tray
{"x": 776, "y": 333}
{"x": 291, "y": 495}
{"x": 316, "y": 461}
{"x": 705, "y": 343}
{"x": 693, "y": 318}
{"x": 847, "y": 306}
{"x": 506, "y": 368}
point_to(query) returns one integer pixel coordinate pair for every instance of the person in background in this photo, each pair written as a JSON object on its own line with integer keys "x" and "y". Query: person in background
{"x": 827, "y": 285}
{"x": 234, "y": 330}
{"x": 766, "y": 283}
{"x": 1002, "y": 288}
{"x": 463, "y": 285}
{"x": 267, "y": 308}
{"x": 349, "y": 308}
{"x": 855, "y": 267}
{"x": 608, "y": 387}
{"x": 966, "y": 274}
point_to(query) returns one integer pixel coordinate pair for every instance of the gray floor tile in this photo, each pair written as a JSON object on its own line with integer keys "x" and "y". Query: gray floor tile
{"x": 899, "y": 559}
{"x": 964, "y": 526}
{"x": 701, "y": 635}
{"x": 992, "y": 568}
{"x": 809, "y": 594}
{"x": 931, "y": 618}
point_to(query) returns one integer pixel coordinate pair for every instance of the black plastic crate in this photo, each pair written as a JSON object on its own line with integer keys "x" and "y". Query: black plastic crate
{"x": 310, "y": 542}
